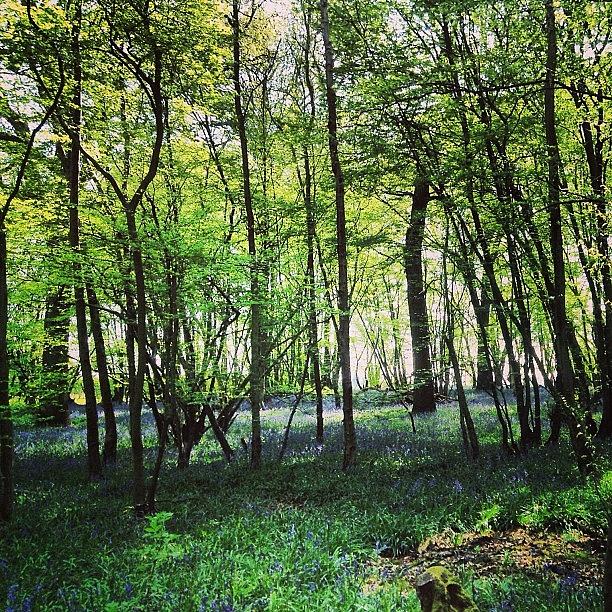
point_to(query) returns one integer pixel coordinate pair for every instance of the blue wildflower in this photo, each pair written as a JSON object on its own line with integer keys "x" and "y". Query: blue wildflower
{"x": 28, "y": 604}
{"x": 11, "y": 595}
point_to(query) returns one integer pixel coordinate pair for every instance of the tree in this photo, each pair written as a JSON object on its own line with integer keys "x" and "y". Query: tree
{"x": 565, "y": 374}
{"x": 94, "y": 465}
{"x": 423, "y": 393}
{"x": 344, "y": 340}
{"x": 257, "y": 349}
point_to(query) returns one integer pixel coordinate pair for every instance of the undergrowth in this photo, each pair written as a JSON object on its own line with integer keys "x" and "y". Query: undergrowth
{"x": 293, "y": 536}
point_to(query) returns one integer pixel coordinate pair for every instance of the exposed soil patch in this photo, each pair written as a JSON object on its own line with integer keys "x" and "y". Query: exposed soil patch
{"x": 571, "y": 558}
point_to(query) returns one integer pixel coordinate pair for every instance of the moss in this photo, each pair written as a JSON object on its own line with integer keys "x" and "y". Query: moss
{"x": 439, "y": 591}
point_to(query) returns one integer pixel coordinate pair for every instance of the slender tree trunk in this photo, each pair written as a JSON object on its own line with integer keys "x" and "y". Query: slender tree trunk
{"x": 423, "y": 393}
{"x": 607, "y": 586}
{"x": 93, "y": 443}
{"x": 603, "y": 322}
{"x": 109, "y": 453}
{"x": 565, "y": 373}
{"x": 313, "y": 339}
{"x": 7, "y": 492}
{"x": 468, "y": 431}
{"x": 54, "y": 406}
{"x": 499, "y": 304}
{"x": 470, "y": 277}
{"x": 130, "y": 335}
{"x": 137, "y": 384}
{"x": 344, "y": 341}
{"x": 484, "y": 375}
{"x": 163, "y": 436}
{"x": 472, "y": 447}
{"x": 485, "y": 255}
{"x": 311, "y": 225}
{"x": 257, "y": 368}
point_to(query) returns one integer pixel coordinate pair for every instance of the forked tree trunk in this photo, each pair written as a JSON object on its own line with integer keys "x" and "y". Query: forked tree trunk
{"x": 344, "y": 342}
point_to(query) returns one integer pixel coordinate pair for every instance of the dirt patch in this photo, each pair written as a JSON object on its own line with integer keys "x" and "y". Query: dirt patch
{"x": 572, "y": 557}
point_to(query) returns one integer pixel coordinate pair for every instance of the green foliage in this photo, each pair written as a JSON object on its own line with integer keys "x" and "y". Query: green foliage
{"x": 297, "y": 535}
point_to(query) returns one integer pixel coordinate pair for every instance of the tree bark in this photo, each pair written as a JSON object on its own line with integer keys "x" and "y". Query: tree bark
{"x": 137, "y": 383}
{"x": 344, "y": 345}
{"x": 94, "y": 465}
{"x": 6, "y": 423}
{"x": 565, "y": 373}
{"x": 109, "y": 453}
{"x": 311, "y": 226}
{"x": 257, "y": 368}
{"x": 607, "y": 586}
{"x": 602, "y": 325}
{"x": 423, "y": 393}
{"x": 54, "y": 405}
{"x": 313, "y": 333}
{"x": 484, "y": 372}
{"x": 467, "y": 424}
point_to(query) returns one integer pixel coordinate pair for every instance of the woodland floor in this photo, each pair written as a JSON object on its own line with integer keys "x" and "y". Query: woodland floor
{"x": 523, "y": 534}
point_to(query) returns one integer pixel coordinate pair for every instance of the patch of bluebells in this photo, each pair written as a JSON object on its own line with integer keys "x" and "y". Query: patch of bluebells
{"x": 11, "y": 598}
{"x": 457, "y": 486}
{"x": 216, "y": 605}
{"x": 28, "y": 601}
{"x": 129, "y": 590}
{"x": 519, "y": 477}
{"x": 568, "y": 582}
{"x": 416, "y": 485}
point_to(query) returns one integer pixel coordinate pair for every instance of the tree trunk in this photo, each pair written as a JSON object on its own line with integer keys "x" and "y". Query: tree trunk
{"x": 7, "y": 492}
{"x": 311, "y": 224}
{"x": 137, "y": 384}
{"x": 565, "y": 373}
{"x": 607, "y": 586}
{"x": 109, "y": 453}
{"x": 55, "y": 396}
{"x": 603, "y": 322}
{"x": 467, "y": 424}
{"x": 313, "y": 340}
{"x": 484, "y": 375}
{"x": 423, "y": 394}
{"x": 257, "y": 368}
{"x": 94, "y": 465}
{"x": 344, "y": 341}
{"x": 470, "y": 278}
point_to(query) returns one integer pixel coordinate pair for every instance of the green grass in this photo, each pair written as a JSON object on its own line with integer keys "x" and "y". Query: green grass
{"x": 295, "y": 536}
